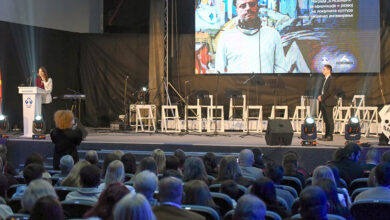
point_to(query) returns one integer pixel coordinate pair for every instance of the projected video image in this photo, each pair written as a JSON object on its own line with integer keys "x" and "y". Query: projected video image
{"x": 286, "y": 36}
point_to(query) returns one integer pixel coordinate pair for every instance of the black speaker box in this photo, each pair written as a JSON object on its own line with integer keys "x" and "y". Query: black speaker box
{"x": 279, "y": 132}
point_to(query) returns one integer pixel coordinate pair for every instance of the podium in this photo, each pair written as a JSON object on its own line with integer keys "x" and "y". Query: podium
{"x": 32, "y": 101}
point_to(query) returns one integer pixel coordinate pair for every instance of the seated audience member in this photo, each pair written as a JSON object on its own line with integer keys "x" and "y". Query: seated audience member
{"x": 386, "y": 156}
{"x": 170, "y": 194}
{"x": 30, "y": 172}
{"x": 372, "y": 159}
{"x": 73, "y": 178}
{"x": 103, "y": 209}
{"x": 66, "y": 165}
{"x": 194, "y": 170}
{"x": 275, "y": 173}
{"x": 3, "y": 189}
{"x": 37, "y": 158}
{"x": 334, "y": 204}
{"x": 381, "y": 191}
{"x": 211, "y": 164}
{"x": 129, "y": 162}
{"x": 148, "y": 163}
{"x": 107, "y": 160}
{"x": 371, "y": 182}
{"x": 336, "y": 175}
{"x": 10, "y": 180}
{"x": 159, "y": 157}
{"x": 119, "y": 153}
{"x": 229, "y": 170}
{"x": 313, "y": 203}
{"x": 7, "y": 167}
{"x": 5, "y": 211}
{"x": 89, "y": 179}
{"x": 290, "y": 166}
{"x": 264, "y": 188}
{"x": 258, "y": 156}
{"x": 196, "y": 192}
{"x": 133, "y": 207}
{"x": 174, "y": 173}
{"x": 179, "y": 153}
{"x": 146, "y": 183}
{"x": 47, "y": 208}
{"x": 249, "y": 207}
{"x": 230, "y": 188}
{"x": 92, "y": 157}
{"x": 36, "y": 189}
{"x": 65, "y": 137}
{"x": 347, "y": 163}
{"x": 115, "y": 173}
{"x": 246, "y": 161}
{"x": 172, "y": 163}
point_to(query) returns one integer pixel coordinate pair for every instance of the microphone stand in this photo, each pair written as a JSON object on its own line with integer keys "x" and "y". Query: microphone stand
{"x": 246, "y": 82}
{"x": 186, "y": 105}
{"x": 126, "y": 119}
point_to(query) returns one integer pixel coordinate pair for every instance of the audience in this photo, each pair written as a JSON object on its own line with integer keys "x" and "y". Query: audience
{"x": 159, "y": 157}
{"x": 170, "y": 194}
{"x": 194, "y": 170}
{"x": 37, "y": 158}
{"x": 133, "y": 207}
{"x": 230, "y": 188}
{"x": 73, "y": 178}
{"x": 115, "y": 174}
{"x": 148, "y": 163}
{"x": 264, "y": 188}
{"x": 66, "y": 165}
{"x": 103, "y": 209}
{"x": 10, "y": 180}
{"x": 30, "y": 172}
{"x": 7, "y": 167}
{"x": 249, "y": 207}
{"x": 347, "y": 163}
{"x": 92, "y": 157}
{"x": 211, "y": 164}
{"x": 119, "y": 153}
{"x": 89, "y": 191}
{"x": 196, "y": 192}
{"x": 258, "y": 156}
{"x": 372, "y": 159}
{"x": 146, "y": 183}
{"x": 179, "y": 153}
{"x": 47, "y": 208}
{"x": 246, "y": 161}
{"x": 172, "y": 163}
{"x": 229, "y": 170}
{"x": 174, "y": 173}
{"x": 313, "y": 203}
{"x": 381, "y": 191}
{"x": 386, "y": 156}
{"x": 275, "y": 173}
{"x": 290, "y": 166}
{"x": 129, "y": 162}
{"x": 36, "y": 189}
{"x": 107, "y": 160}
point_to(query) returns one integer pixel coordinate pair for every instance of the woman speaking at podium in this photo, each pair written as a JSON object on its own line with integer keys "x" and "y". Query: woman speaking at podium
{"x": 46, "y": 83}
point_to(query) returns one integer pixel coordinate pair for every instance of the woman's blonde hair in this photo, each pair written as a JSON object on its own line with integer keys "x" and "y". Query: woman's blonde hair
{"x": 73, "y": 178}
{"x": 322, "y": 172}
{"x": 115, "y": 173}
{"x": 159, "y": 157}
{"x": 63, "y": 119}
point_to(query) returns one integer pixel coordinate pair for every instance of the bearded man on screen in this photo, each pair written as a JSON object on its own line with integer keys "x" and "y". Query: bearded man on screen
{"x": 249, "y": 47}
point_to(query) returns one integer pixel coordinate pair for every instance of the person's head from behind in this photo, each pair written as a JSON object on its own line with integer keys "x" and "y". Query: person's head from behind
{"x": 258, "y": 156}
{"x": 172, "y": 162}
{"x": 196, "y": 192}
{"x": 146, "y": 182}
{"x": 312, "y": 203}
{"x": 372, "y": 156}
{"x": 322, "y": 172}
{"x": 230, "y": 188}
{"x": 32, "y": 172}
{"x": 327, "y": 70}
{"x": 330, "y": 190}
{"x": 73, "y": 178}
{"x": 107, "y": 200}
{"x": 148, "y": 163}
{"x": 170, "y": 190}
{"x": 115, "y": 173}
{"x": 34, "y": 158}
{"x": 90, "y": 176}
{"x": 159, "y": 157}
{"x": 229, "y": 169}
{"x": 247, "y": 11}
{"x": 264, "y": 188}
{"x": 386, "y": 156}
{"x": 63, "y": 119}
{"x": 66, "y": 164}
{"x": 249, "y": 207}
{"x": 133, "y": 206}
{"x": 246, "y": 158}
{"x": 194, "y": 169}
{"x": 382, "y": 174}
{"x": 179, "y": 153}
{"x": 108, "y": 159}
{"x": 92, "y": 157}
{"x": 36, "y": 189}
{"x": 210, "y": 162}
{"x": 174, "y": 173}
{"x": 275, "y": 172}
{"x": 352, "y": 151}
{"x": 290, "y": 162}
{"x": 47, "y": 208}
{"x": 129, "y": 161}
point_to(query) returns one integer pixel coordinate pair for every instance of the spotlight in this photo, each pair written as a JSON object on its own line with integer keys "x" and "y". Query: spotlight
{"x": 309, "y": 132}
{"x": 144, "y": 88}
{"x": 143, "y": 95}
{"x": 39, "y": 128}
{"x": 352, "y": 130}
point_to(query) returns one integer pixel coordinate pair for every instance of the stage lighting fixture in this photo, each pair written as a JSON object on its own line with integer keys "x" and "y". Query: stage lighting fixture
{"x": 352, "y": 130}
{"x": 39, "y": 128}
{"x": 144, "y": 88}
{"x": 309, "y": 132}
{"x": 4, "y": 124}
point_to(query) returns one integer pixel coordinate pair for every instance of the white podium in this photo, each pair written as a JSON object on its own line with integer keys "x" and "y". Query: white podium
{"x": 32, "y": 101}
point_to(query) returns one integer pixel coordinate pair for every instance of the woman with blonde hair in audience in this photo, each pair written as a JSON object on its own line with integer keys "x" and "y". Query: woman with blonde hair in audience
{"x": 36, "y": 190}
{"x": 115, "y": 173}
{"x": 133, "y": 207}
{"x": 73, "y": 178}
{"x": 159, "y": 157}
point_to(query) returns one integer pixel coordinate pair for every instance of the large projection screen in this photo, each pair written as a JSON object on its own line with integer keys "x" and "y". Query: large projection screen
{"x": 286, "y": 36}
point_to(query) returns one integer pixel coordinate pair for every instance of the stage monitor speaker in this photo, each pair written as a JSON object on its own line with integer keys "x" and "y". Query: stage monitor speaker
{"x": 279, "y": 132}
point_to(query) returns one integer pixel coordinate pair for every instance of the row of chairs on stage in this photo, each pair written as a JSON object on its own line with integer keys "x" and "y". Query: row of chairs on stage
{"x": 204, "y": 115}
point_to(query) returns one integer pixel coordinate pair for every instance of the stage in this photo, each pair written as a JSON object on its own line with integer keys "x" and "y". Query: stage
{"x": 194, "y": 144}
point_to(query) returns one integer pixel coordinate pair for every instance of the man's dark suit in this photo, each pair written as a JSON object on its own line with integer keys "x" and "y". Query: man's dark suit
{"x": 327, "y": 103}
{"x": 167, "y": 212}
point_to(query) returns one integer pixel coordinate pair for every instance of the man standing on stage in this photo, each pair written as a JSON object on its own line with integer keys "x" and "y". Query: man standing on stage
{"x": 249, "y": 47}
{"x": 327, "y": 101}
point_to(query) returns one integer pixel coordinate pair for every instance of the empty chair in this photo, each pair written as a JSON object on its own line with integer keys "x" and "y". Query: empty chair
{"x": 223, "y": 201}
{"x": 76, "y": 209}
{"x": 371, "y": 209}
{"x": 293, "y": 182}
{"x": 207, "y": 212}
{"x": 358, "y": 183}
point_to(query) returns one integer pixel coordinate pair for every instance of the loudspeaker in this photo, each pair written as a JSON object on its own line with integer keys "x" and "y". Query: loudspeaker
{"x": 279, "y": 132}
